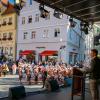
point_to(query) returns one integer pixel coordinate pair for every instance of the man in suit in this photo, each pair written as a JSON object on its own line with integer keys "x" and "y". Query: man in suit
{"x": 94, "y": 74}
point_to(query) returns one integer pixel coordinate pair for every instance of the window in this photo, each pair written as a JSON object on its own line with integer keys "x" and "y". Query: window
{"x": 30, "y": 19}
{"x": 70, "y": 58}
{"x": 23, "y": 20}
{"x": 57, "y": 32}
{"x": 4, "y": 36}
{"x": 10, "y": 36}
{"x": 0, "y": 50}
{"x": 10, "y": 21}
{"x": 98, "y": 30}
{"x": 37, "y": 18}
{"x": 75, "y": 58}
{"x": 0, "y": 23}
{"x": 6, "y": 50}
{"x": 79, "y": 42}
{"x": 33, "y": 34}
{"x": 11, "y": 51}
{"x": 45, "y": 34}
{"x": 0, "y": 36}
{"x": 25, "y": 35}
{"x": 4, "y": 21}
{"x": 70, "y": 34}
{"x": 76, "y": 41}
{"x": 30, "y": 1}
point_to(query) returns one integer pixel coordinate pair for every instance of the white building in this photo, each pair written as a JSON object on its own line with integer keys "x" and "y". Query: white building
{"x": 89, "y": 40}
{"x": 97, "y": 33}
{"x": 89, "y": 43}
{"x": 53, "y": 34}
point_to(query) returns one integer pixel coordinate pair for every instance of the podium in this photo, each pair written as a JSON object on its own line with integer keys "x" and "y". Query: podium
{"x": 78, "y": 84}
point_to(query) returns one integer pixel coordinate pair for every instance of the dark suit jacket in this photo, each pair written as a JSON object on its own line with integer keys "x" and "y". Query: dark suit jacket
{"x": 95, "y": 68}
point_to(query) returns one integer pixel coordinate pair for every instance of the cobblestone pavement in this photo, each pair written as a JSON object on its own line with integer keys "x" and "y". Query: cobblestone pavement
{"x": 13, "y": 81}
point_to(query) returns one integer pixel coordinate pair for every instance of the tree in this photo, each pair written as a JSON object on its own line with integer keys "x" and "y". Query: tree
{"x": 30, "y": 57}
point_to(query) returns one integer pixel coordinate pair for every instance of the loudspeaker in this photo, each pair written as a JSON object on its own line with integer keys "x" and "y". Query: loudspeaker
{"x": 54, "y": 85}
{"x": 16, "y": 93}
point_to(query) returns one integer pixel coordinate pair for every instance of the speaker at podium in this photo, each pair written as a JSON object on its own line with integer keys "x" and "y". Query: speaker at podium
{"x": 16, "y": 93}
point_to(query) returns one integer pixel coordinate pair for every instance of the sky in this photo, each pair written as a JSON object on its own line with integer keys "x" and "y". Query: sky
{"x": 5, "y": 1}
{"x": 11, "y": 1}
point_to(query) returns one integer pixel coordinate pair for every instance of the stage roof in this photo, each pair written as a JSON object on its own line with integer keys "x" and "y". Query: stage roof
{"x": 85, "y": 10}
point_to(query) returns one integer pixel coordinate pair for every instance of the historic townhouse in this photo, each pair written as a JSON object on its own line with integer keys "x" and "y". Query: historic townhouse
{"x": 8, "y": 32}
{"x": 48, "y": 36}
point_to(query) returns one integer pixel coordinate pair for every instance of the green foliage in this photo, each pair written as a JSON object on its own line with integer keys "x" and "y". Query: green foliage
{"x": 3, "y": 58}
{"x": 30, "y": 57}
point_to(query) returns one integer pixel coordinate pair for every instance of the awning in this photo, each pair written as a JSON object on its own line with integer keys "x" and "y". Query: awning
{"x": 49, "y": 53}
{"x": 26, "y": 52}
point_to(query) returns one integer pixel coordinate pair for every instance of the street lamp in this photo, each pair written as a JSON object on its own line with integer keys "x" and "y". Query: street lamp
{"x": 62, "y": 47}
{"x": 18, "y": 5}
{"x": 17, "y": 1}
{"x": 72, "y": 23}
{"x": 60, "y": 50}
{"x": 44, "y": 12}
{"x": 58, "y": 14}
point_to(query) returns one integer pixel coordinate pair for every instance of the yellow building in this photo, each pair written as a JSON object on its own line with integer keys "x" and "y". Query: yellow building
{"x": 8, "y": 26}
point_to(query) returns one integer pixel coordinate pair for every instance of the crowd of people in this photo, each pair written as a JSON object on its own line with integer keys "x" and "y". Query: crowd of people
{"x": 39, "y": 72}
{"x": 55, "y": 71}
{"x": 43, "y": 71}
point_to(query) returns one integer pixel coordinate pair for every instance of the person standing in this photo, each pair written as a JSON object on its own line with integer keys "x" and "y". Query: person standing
{"x": 20, "y": 74}
{"x": 14, "y": 68}
{"x": 0, "y": 70}
{"x": 94, "y": 74}
{"x": 28, "y": 74}
{"x": 5, "y": 69}
{"x": 44, "y": 77}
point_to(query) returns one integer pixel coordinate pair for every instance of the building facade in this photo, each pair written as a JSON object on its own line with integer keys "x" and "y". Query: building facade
{"x": 8, "y": 32}
{"x": 91, "y": 41}
{"x": 48, "y": 34}
{"x": 97, "y": 37}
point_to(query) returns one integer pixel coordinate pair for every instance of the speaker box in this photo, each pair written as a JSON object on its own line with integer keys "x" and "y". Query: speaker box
{"x": 16, "y": 93}
{"x": 54, "y": 85}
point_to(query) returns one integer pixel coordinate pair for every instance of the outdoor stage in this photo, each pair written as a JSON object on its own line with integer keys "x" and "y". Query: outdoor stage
{"x": 12, "y": 81}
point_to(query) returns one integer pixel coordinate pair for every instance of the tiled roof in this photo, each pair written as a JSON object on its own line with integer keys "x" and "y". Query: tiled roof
{"x": 10, "y": 9}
